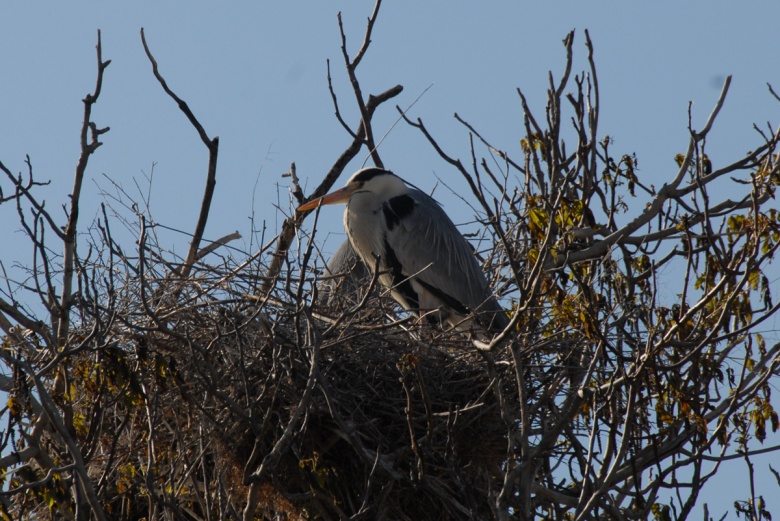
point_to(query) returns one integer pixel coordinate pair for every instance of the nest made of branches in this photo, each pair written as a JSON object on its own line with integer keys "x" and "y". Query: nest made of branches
{"x": 324, "y": 420}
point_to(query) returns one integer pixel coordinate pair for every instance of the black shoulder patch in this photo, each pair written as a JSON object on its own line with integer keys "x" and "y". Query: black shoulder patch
{"x": 369, "y": 173}
{"x": 396, "y": 209}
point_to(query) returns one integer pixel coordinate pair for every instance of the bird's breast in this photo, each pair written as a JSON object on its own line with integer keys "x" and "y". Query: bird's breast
{"x": 365, "y": 226}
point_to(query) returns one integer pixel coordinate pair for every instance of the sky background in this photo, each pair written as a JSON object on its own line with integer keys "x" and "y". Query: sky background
{"x": 255, "y": 75}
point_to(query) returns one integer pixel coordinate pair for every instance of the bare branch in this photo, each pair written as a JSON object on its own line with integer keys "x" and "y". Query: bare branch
{"x": 211, "y": 175}
{"x": 291, "y": 224}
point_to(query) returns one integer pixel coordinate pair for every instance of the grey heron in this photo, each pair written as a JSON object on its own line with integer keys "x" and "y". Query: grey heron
{"x": 346, "y": 274}
{"x": 424, "y": 260}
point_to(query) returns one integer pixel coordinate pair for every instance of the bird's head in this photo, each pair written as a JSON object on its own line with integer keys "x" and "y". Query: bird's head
{"x": 382, "y": 183}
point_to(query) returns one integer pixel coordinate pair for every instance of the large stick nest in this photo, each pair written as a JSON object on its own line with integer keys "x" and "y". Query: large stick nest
{"x": 368, "y": 417}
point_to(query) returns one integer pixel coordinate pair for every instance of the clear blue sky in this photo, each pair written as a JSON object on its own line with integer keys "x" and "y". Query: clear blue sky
{"x": 254, "y": 74}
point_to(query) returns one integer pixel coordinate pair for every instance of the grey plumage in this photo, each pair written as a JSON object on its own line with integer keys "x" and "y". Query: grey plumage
{"x": 345, "y": 275}
{"x": 426, "y": 263}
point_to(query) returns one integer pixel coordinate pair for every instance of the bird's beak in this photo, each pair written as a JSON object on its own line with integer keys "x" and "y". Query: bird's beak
{"x": 339, "y": 196}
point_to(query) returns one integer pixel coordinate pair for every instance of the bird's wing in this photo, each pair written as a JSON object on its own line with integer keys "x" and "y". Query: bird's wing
{"x": 345, "y": 260}
{"x": 345, "y": 272}
{"x": 426, "y": 244}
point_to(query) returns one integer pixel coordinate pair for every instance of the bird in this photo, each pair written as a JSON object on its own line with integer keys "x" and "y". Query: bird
{"x": 346, "y": 274}
{"x": 421, "y": 256}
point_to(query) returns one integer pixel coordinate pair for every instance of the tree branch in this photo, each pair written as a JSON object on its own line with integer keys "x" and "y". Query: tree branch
{"x": 211, "y": 175}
